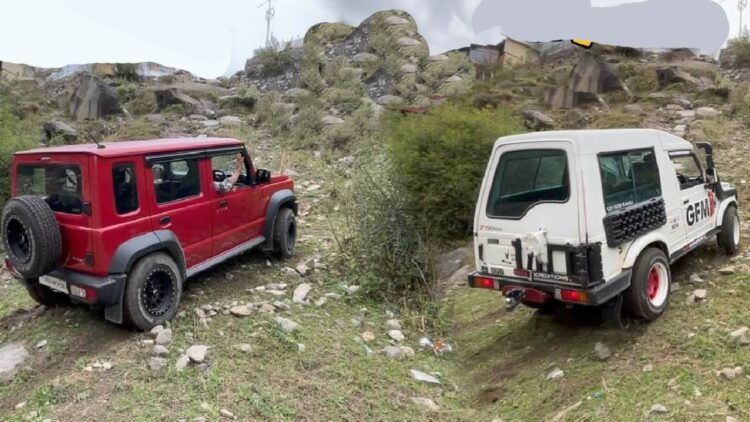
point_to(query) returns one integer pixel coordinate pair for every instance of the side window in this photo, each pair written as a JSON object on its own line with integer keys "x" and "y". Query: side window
{"x": 689, "y": 173}
{"x": 126, "y": 188}
{"x": 629, "y": 178}
{"x": 223, "y": 167}
{"x": 176, "y": 180}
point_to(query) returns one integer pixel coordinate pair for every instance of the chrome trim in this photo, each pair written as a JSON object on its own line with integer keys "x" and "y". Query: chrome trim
{"x": 218, "y": 259}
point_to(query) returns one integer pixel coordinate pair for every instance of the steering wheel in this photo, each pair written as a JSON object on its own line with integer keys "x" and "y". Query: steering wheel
{"x": 219, "y": 176}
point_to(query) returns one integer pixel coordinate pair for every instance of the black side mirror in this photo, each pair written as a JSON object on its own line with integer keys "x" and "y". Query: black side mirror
{"x": 263, "y": 176}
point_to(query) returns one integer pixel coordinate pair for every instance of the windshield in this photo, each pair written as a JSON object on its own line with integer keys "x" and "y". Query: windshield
{"x": 526, "y": 178}
{"x": 59, "y": 185}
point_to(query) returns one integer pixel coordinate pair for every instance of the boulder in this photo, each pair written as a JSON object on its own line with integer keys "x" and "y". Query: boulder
{"x": 408, "y": 42}
{"x": 538, "y": 120}
{"x": 172, "y": 96}
{"x": 594, "y": 75}
{"x": 452, "y": 261}
{"x": 396, "y": 21}
{"x": 409, "y": 68}
{"x": 230, "y": 121}
{"x": 706, "y": 112}
{"x": 672, "y": 74}
{"x": 557, "y": 98}
{"x": 59, "y": 130}
{"x": 94, "y": 99}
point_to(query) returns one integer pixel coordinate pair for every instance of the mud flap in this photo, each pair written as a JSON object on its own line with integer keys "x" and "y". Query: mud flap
{"x": 612, "y": 314}
{"x": 114, "y": 313}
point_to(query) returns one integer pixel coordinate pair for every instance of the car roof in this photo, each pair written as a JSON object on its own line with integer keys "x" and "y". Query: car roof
{"x": 598, "y": 141}
{"x": 129, "y": 148}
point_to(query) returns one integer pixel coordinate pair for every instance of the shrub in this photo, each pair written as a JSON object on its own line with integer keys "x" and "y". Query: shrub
{"x": 14, "y": 138}
{"x": 740, "y": 48}
{"x": 275, "y": 58}
{"x": 440, "y": 158}
{"x": 246, "y": 97}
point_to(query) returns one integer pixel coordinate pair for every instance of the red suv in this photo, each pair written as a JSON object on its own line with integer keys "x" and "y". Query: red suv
{"x": 121, "y": 226}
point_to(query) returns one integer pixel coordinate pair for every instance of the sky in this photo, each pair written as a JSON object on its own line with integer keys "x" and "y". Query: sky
{"x": 214, "y": 38}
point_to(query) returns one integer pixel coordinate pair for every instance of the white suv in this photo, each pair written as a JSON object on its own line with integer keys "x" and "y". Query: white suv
{"x": 596, "y": 217}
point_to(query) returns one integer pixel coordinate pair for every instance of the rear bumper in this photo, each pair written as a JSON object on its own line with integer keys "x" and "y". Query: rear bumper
{"x": 107, "y": 290}
{"x": 594, "y": 296}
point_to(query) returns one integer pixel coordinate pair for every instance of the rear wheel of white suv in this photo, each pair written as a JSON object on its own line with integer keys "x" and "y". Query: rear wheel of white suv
{"x": 729, "y": 237}
{"x": 152, "y": 292}
{"x": 648, "y": 295}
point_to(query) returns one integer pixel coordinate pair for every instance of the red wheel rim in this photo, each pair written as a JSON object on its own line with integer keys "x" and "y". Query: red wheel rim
{"x": 653, "y": 283}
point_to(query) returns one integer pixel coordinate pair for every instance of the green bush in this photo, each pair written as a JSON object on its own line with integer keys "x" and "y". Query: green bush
{"x": 440, "y": 158}
{"x": 14, "y": 138}
{"x": 275, "y": 58}
{"x": 740, "y": 48}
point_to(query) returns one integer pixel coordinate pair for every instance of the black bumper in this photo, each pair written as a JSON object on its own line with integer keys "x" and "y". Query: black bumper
{"x": 108, "y": 289}
{"x": 597, "y": 295}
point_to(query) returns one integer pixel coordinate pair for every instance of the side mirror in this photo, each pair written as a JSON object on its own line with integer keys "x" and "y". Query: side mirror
{"x": 263, "y": 176}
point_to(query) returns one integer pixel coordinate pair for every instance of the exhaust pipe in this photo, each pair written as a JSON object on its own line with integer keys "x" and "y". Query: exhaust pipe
{"x": 513, "y": 298}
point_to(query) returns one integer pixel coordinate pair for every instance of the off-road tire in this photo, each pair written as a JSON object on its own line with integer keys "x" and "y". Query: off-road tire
{"x": 637, "y": 299}
{"x": 45, "y": 296}
{"x": 136, "y": 308}
{"x": 284, "y": 233}
{"x": 40, "y": 251}
{"x": 726, "y": 237}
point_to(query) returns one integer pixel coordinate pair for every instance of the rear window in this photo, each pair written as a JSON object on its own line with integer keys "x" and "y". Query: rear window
{"x": 629, "y": 178}
{"x": 526, "y": 178}
{"x": 59, "y": 185}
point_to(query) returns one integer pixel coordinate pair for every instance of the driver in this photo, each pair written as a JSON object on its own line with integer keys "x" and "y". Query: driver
{"x": 228, "y": 184}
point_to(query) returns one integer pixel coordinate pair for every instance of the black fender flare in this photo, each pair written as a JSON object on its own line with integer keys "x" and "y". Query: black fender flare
{"x": 281, "y": 199}
{"x": 134, "y": 249}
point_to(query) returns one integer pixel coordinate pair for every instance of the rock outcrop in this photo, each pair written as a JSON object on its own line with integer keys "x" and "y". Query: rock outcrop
{"x": 94, "y": 99}
{"x": 590, "y": 77}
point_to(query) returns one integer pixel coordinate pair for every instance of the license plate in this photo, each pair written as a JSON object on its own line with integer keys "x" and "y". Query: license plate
{"x": 54, "y": 283}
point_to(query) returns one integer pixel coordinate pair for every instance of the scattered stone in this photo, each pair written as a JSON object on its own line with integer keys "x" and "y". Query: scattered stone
{"x": 389, "y": 100}
{"x": 706, "y": 112}
{"x": 281, "y": 306}
{"x": 164, "y": 337}
{"x": 241, "y": 311}
{"x": 352, "y": 289}
{"x": 267, "y": 308}
{"x": 41, "y": 344}
{"x": 398, "y": 352}
{"x": 409, "y": 68}
{"x": 287, "y": 325}
{"x": 332, "y": 121}
{"x": 422, "y": 377}
{"x": 21, "y": 405}
{"x": 700, "y": 294}
{"x": 290, "y": 272}
{"x": 12, "y": 356}
{"x": 54, "y": 130}
{"x": 408, "y": 42}
{"x": 396, "y": 335}
{"x": 182, "y": 362}
{"x": 696, "y": 279}
{"x": 301, "y": 292}
{"x": 365, "y": 57}
{"x": 160, "y": 350}
{"x": 230, "y": 121}
{"x": 156, "y": 119}
{"x": 439, "y": 58}
{"x": 396, "y": 20}
{"x": 727, "y": 271}
{"x": 368, "y": 336}
{"x": 301, "y": 348}
{"x": 454, "y": 79}
{"x": 428, "y": 404}
{"x": 675, "y": 287}
{"x": 333, "y": 296}
{"x": 156, "y": 330}
{"x": 245, "y": 348}
{"x": 659, "y": 409}
{"x": 648, "y": 368}
{"x": 320, "y": 302}
{"x": 157, "y": 363}
{"x": 556, "y": 374}
{"x": 197, "y": 353}
{"x": 634, "y": 109}
{"x": 602, "y": 351}
{"x": 740, "y": 336}
{"x": 393, "y": 324}
{"x": 226, "y": 414}
{"x": 730, "y": 374}
{"x": 538, "y": 120}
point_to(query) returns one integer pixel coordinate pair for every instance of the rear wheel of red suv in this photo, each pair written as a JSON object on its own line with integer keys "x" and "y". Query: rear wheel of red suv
{"x": 153, "y": 291}
{"x": 284, "y": 233}
{"x": 45, "y": 296}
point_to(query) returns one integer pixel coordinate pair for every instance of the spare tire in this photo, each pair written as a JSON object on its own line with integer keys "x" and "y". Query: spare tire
{"x": 31, "y": 236}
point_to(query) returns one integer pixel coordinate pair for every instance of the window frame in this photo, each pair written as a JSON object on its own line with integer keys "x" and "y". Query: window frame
{"x": 683, "y": 154}
{"x": 248, "y": 167}
{"x": 133, "y": 167}
{"x": 169, "y": 162}
{"x": 534, "y": 204}
{"x": 45, "y": 166}
{"x": 621, "y": 152}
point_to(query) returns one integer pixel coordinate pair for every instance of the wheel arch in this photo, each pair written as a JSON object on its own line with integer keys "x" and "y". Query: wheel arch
{"x": 653, "y": 240}
{"x": 281, "y": 199}
{"x": 723, "y": 209}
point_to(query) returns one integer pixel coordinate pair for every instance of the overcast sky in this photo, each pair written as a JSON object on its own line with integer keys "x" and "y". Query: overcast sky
{"x": 213, "y": 38}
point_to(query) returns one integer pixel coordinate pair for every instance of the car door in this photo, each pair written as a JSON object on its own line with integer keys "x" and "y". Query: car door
{"x": 234, "y": 212}
{"x": 180, "y": 203}
{"x": 698, "y": 206}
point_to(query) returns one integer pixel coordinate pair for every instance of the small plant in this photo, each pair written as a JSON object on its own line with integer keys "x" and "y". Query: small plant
{"x": 14, "y": 138}
{"x": 740, "y": 49}
{"x": 275, "y": 57}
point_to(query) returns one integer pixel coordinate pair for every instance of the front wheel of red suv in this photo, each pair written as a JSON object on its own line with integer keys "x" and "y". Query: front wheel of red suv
{"x": 152, "y": 292}
{"x": 284, "y": 233}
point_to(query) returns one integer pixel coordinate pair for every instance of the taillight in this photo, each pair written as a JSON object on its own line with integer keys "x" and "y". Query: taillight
{"x": 521, "y": 273}
{"x": 484, "y": 283}
{"x": 84, "y": 293}
{"x": 573, "y": 296}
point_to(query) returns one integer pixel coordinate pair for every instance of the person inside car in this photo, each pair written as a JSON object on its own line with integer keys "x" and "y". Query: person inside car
{"x": 228, "y": 184}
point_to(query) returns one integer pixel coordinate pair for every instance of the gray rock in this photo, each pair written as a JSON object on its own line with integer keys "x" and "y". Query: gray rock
{"x": 171, "y": 96}
{"x": 160, "y": 350}
{"x": 94, "y": 100}
{"x": 439, "y": 58}
{"x": 164, "y": 337}
{"x": 730, "y": 374}
{"x": 398, "y": 352}
{"x": 182, "y": 362}
{"x": 157, "y": 363}
{"x": 241, "y": 311}
{"x": 245, "y": 348}
{"x": 409, "y": 68}
{"x": 303, "y": 269}
{"x": 41, "y": 344}
{"x": 453, "y": 79}
{"x": 365, "y": 57}
{"x": 396, "y": 335}
{"x": 452, "y": 261}
{"x": 210, "y": 124}
{"x": 156, "y": 119}
{"x": 696, "y": 279}
{"x": 301, "y": 347}
{"x": 727, "y": 271}
{"x": 538, "y": 120}
{"x": 700, "y": 294}
{"x": 287, "y": 325}
{"x": 426, "y": 403}
{"x": 332, "y": 120}
{"x": 226, "y": 414}
{"x": 12, "y": 356}
{"x": 301, "y": 292}
{"x": 230, "y": 121}
{"x": 634, "y": 109}
{"x": 658, "y": 409}
{"x": 422, "y": 377}
{"x": 393, "y": 324}
{"x": 297, "y": 93}
{"x": 706, "y": 112}
{"x": 740, "y": 336}
{"x": 396, "y": 21}
{"x": 197, "y": 353}
{"x": 59, "y": 130}
{"x": 322, "y": 301}
{"x": 408, "y": 42}
{"x": 602, "y": 351}
{"x": 289, "y": 272}
{"x": 352, "y": 289}
{"x": 555, "y": 374}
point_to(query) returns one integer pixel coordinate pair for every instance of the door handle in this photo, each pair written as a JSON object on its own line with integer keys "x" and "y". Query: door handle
{"x": 224, "y": 204}
{"x": 164, "y": 221}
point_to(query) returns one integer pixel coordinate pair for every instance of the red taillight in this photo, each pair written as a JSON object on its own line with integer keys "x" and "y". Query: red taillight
{"x": 84, "y": 293}
{"x": 521, "y": 273}
{"x": 574, "y": 296}
{"x": 484, "y": 283}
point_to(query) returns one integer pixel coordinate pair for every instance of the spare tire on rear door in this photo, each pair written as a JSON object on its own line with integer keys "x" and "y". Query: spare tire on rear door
{"x": 31, "y": 236}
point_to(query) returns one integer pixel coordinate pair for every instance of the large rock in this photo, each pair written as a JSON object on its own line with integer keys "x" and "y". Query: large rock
{"x": 452, "y": 261}
{"x": 93, "y": 100}
{"x": 172, "y": 96}
{"x": 566, "y": 98}
{"x": 538, "y": 120}
{"x": 12, "y": 356}
{"x": 59, "y": 130}
{"x": 672, "y": 74}
{"x": 593, "y": 75}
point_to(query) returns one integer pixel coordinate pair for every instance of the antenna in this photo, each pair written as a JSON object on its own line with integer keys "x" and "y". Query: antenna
{"x": 271, "y": 12}
{"x": 741, "y": 6}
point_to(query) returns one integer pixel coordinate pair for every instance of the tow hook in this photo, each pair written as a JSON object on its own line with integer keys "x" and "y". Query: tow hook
{"x": 513, "y": 298}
